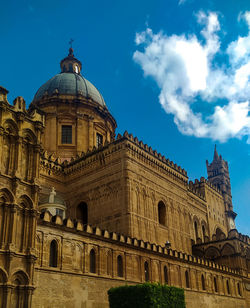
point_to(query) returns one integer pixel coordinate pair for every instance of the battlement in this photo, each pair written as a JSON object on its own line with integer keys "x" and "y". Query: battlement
{"x": 87, "y": 230}
{"x": 80, "y": 161}
{"x": 195, "y": 189}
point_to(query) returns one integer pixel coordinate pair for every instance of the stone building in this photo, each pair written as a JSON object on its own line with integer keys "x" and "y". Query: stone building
{"x": 83, "y": 209}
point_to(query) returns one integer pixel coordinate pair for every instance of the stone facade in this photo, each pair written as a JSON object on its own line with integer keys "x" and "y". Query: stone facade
{"x": 131, "y": 214}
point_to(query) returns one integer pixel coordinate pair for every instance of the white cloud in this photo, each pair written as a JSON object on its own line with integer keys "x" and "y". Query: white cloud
{"x": 181, "y": 2}
{"x": 187, "y": 74}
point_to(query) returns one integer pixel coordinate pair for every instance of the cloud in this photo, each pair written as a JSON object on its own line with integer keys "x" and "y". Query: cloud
{"x": 206, "y": 99}
{"x": 181, "y": 2}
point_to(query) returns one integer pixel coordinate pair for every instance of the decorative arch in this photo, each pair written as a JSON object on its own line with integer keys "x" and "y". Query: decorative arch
{"x": 212, "y": 253}
{"x": 19, "y": 292}
{"x": 26, "y": 202}
{"x": 29, "y": 136}
{"x": 162, "y": 213}
{"x": 227, "y": 250}
{"x": 20, "y": 278}
{"x": 219, "y": 234}
{"x": 3, "y": 276}
{"x": 10, "y": 127}
{"x": 6, "y": 196}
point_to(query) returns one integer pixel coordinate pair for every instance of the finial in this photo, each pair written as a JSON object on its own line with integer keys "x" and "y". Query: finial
{"x": 70, "y": 47}
{"x": 216, "y": 156}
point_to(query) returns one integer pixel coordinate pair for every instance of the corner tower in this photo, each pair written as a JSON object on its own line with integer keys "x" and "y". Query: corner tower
{"x": 218, "y": 175}
{"x": 77, "y": 118}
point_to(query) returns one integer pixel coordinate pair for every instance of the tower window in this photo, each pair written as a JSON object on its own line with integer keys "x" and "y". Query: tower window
{"x": 99, "y": 140}
{"x": 66, "y": 134}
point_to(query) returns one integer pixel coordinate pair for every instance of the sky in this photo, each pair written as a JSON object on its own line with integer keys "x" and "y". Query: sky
{"x": 174, "y": 73}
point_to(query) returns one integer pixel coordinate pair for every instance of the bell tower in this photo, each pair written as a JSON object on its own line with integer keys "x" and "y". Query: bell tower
{"x": 218, "y": 175}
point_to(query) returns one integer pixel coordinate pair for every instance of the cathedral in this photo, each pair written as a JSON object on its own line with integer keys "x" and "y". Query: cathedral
{"x": 83, "y": 209}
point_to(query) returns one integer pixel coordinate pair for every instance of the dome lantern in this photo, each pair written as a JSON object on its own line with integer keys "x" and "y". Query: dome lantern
{"x": 70, "y": 64}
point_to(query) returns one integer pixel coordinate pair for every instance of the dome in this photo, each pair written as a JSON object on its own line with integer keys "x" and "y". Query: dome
{"x": 70, "y": 82}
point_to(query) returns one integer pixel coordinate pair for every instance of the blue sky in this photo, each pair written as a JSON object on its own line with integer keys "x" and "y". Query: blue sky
{"x": 173, "y": 73}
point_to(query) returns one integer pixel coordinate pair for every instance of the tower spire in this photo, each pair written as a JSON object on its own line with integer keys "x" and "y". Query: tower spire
{"x": 216, "y": 156}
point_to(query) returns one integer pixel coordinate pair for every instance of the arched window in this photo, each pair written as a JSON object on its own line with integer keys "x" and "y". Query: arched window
{"x": 187, "y": 279}
{"x": 203, "y": 282}
{"x": 92, "y": 261}
{"x": 53, "y": 254}
{"x": 165, "y": 274}
{"x": 228, "y": 288}
{"x": 239, "y": 289}
{"x": 161, "y": 213}
{"x": 203, "y": 233}
{"x": 146, "y": 271}
{"x": 215, "y": 285}
{"x": 196, "y": 230}
{"x": 119, "y": 266}
{"x": 82, "y": 212}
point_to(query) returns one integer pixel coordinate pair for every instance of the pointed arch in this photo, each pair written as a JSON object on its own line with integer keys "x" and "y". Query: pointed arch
{"x": 19, "y": 278}
{"x": 26, "y": 202}
{"x": 29, "y": 136}
{"x": 219, "y": 234}
{"x": 6, "y": 196}
{"x": 212, "y": 252}
{"x": 53, "y": 254}
{"x": 162, "y": 213}
{"x": 10, "y": 127}
{"x": 19, "y": 294}
{"x": 3, "y": 276}
{"x": 227, "y": 250}
{"x": 92, "y": 261}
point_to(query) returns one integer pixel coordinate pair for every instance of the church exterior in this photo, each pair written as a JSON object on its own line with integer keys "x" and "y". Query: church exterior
{"x": 83, "y": 210}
